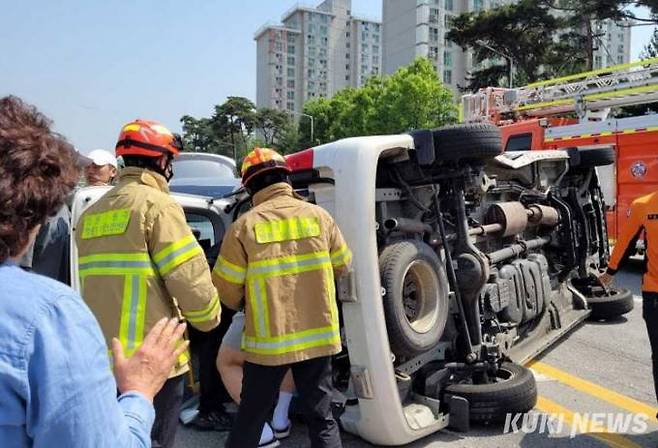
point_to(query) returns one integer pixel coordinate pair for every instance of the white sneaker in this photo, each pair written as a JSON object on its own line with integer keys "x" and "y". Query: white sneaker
{"x": 269, "y": 444}
{"x": 281, "y": 433}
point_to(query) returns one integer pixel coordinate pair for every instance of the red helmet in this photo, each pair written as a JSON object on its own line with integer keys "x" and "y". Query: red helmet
{"x": 147, "y": 139}
{"x": 261, "y": 160}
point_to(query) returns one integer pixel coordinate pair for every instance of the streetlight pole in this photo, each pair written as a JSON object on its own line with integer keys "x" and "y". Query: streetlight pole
{"x": 307, "y": 116}
{"x": 509, "y": 60}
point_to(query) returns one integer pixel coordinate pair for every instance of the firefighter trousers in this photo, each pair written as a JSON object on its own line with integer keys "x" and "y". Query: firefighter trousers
{"x": 650, "y": 315}
{"x": 167, "y": 404}
{"x": 260, "y": 388}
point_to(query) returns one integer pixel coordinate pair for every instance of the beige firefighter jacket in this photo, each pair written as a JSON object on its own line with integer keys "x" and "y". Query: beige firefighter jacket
{"x": 282, "y": 256}
{"x": 139, "y": 262}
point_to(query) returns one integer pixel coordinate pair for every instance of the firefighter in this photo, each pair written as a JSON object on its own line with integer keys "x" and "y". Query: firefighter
{"x": 278, "y": 261}
{"x": 643, "y": 218}
{"x": 139, "y": 261}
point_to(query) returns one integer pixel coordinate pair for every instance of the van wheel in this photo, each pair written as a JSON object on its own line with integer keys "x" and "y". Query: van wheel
{"x": 477, "y": 141}
{"x": 416, "y": 297}
{"x": 512, "y": 391}
{"x": 611, "y": 305}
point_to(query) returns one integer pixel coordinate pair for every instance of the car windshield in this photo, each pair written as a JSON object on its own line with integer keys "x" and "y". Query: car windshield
{"x": 202, "y": 168}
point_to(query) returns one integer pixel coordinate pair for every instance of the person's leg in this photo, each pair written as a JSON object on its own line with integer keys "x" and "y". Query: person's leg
{"x": 212, "y": 391}
{"x": 167, "y": 404}
{"x": 260, "y": 385}
{"x": 314, "y": 387}
{"x": 280, "y": 420}
{"x": 229, "y": 364}
{"x": 650, "y": 315}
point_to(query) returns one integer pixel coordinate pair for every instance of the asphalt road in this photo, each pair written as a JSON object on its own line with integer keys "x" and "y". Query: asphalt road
{"x": 600, "y": 372}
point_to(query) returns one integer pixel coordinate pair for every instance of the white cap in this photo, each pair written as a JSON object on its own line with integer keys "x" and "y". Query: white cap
{"x": 102, "y": 157}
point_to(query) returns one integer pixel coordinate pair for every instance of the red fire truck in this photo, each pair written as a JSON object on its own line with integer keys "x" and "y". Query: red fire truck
{"x": 574, "y": 111}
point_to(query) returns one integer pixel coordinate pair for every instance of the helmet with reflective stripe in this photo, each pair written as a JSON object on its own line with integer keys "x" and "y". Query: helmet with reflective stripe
{"x": 147, "y": 139}
{"x": 262, "y": 160}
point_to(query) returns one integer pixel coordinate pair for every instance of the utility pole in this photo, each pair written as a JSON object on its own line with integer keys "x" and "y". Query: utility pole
{"x": 310, "y": 117}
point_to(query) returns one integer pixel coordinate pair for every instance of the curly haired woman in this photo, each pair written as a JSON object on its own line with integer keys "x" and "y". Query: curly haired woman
{"x": 56, "y": 386}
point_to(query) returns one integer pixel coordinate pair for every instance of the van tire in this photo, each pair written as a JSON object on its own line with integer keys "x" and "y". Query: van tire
{"x": 415, "y": 298}
{"x": 516, "y": 393}
{"x": 476, "y": 141}
{"x": 611, "y": 306}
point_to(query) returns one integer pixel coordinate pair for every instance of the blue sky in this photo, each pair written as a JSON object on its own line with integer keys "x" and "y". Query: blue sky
{"x": 93, "y": 65}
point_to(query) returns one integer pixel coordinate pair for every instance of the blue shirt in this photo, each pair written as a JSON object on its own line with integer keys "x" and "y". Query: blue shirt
{"x": 56, "y": 386}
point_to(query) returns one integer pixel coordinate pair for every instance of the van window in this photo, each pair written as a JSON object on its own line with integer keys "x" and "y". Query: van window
{"x": 520, "y": 142}
{"x": 202, "y": 228}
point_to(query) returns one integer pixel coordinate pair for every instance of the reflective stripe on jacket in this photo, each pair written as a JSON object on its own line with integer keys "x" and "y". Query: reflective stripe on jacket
{"x": 139, "y": 262}
{"x": 643, "y": 217}
{"x": 282, "y": 256}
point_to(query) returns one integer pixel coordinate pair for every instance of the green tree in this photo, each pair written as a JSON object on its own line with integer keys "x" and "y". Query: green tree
{"x": 272, "y": 124}
{"x": 200, "y": 136}
{"x": 321, "y": 111}
{"x": 413, "y": 97}
{"x": 524, "y": 32}
{"x": 235, "y": 118}
{"x": 650, "y": 50}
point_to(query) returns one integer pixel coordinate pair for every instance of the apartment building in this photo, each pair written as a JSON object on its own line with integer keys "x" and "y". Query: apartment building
{"x": 413, "y": 28}
{"x": 314, "y": 52}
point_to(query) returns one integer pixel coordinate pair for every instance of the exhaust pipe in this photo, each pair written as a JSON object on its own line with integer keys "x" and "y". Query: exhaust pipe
{"x": 406, "y": 225}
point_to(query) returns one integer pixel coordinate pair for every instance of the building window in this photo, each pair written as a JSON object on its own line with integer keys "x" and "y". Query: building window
{"x": 291, "y": 60}
{"x": 598, "y": 62}
{"x": 291, "y": 106}
{"x": 290, "y": 84}
{"x": 375, "y": 48}
{"x": 347, "y": 77}
{"x": 323, "y": 31}
{"x": 291, "y": 49}
{"x": 620, "y": 48}
{"x": 448, "y": 5}
{"x": 433, "y": 53}
{"x": 347, "y": 66}
{"x": 447, "y": 59}
{"x": 434, "y": 34}
{"x": 291, "y": 38}
{"x": 278, "y": 46}
{"x": 290, "y": 95}
{"x": 375, "y": 59}
{"x": 447, "y": 21}
{"x": 620, "y": 59}
{"x": 477, "y": 4}
{"x": 434, "y": 15}
{"x": 447, "y": 76}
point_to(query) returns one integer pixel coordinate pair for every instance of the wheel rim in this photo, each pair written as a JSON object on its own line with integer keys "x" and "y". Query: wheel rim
{"x": 420, "y": 296}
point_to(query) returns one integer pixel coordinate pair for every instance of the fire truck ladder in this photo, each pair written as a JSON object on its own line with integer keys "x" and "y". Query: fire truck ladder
{"x": 621, "y": 85}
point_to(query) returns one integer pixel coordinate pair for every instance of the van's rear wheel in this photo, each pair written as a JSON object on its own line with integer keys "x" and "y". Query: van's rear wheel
{"x": 415, "y": 298}
{"x": 512, "y": 391}
{"x": 611, "y": 304}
